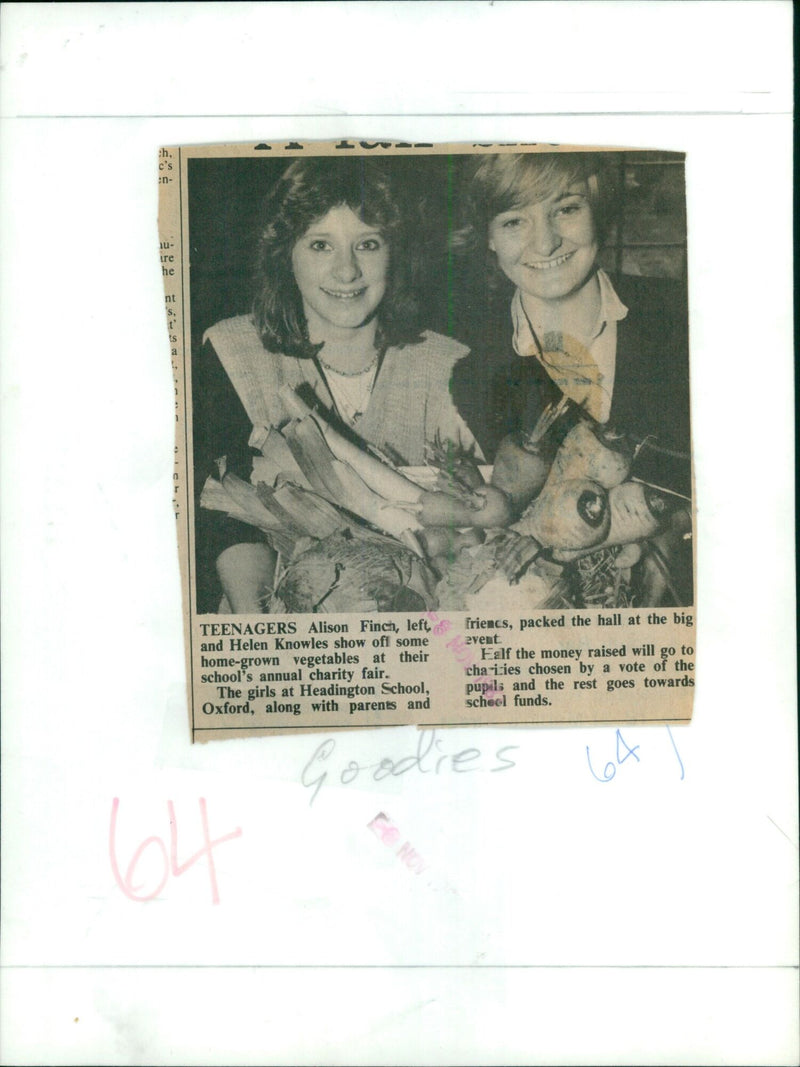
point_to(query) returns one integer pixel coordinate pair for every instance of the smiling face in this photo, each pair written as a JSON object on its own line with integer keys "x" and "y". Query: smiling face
{"x": 548, "y": 249}
{"x": 340, "y": 265}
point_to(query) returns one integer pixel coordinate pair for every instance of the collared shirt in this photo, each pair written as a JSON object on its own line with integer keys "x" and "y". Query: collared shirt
{"x": 582, "y": 368}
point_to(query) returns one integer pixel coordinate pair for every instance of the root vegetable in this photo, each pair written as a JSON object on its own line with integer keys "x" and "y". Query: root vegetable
{"x": 455, "y": 467}
{"x": 445, "y": 540}
{"x": 589, "y": 453}
{"x": 567, "y": 515}
{"x": 524, "y": 459}
{"x": 442, "y": 509}
{"x": 628, "y": 556}
{"x": 636, "y": 512}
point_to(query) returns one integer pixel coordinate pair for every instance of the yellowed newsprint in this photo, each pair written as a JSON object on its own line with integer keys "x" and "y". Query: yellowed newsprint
{"x": 432, "y": 459}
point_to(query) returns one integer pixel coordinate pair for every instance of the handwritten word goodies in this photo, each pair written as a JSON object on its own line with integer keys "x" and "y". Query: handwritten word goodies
{"x": 432, "y": 757}
{"x": 155, "y": 859}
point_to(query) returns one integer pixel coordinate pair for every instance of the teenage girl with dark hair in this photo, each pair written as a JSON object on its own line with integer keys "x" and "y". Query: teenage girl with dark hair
{"x": 335, "y": 318}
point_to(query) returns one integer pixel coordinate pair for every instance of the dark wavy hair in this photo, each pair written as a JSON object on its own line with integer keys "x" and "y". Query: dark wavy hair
{"x": 307, "y": 190}
{"x": 497, "y": 183}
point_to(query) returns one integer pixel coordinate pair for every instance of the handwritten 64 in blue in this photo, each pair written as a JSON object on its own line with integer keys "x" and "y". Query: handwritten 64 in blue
{"x": 625, "y": 752}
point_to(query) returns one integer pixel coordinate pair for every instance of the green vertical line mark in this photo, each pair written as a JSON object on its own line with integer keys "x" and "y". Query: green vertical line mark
{"x": 449, "y": 283}
{"x": 450, "y": 228}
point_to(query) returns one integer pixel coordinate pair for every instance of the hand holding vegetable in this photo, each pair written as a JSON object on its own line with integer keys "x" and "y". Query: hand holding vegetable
{"x": 520, "y": 472}
{"x": 515, "y": 553}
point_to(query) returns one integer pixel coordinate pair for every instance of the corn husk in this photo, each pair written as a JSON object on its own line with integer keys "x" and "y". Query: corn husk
{"x": 286, "y": 513}
{"x": 276, "y": 460}
{"x": 215, "y": 498}
{"x": 307, "y": 512}
{"x": 379, "y": 476}
{"x": 338, "y": 482}
{"x": 240, "y": 501}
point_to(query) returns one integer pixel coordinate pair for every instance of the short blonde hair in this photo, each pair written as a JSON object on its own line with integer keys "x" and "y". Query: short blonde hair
{"x": 499, "y": 183}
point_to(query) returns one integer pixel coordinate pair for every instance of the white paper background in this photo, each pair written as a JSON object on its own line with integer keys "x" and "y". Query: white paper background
{"x": 651, "y": 919}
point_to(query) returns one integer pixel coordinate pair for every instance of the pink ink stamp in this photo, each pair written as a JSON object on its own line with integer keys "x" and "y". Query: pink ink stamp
{"x": 464, "y": 655}
{"x": 385, "y": 830}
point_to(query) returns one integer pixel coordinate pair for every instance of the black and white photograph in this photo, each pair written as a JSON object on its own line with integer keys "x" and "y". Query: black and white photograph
{"x": 450, "y": 378}
{"x": 381, "y": 680}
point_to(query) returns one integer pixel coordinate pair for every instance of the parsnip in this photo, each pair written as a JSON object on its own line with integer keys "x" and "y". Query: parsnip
{"x": 567, "y": 515}
{"x": 636, "y": 512}
{"x": 359, "y": 499}
{"x": 585, "y": 453}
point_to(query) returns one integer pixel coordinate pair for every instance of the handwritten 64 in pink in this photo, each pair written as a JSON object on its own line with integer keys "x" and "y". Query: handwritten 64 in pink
{"x": 170, "y": 863}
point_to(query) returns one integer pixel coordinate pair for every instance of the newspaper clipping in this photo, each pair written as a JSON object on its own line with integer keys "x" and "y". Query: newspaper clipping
{"x": 433, "y": 459}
